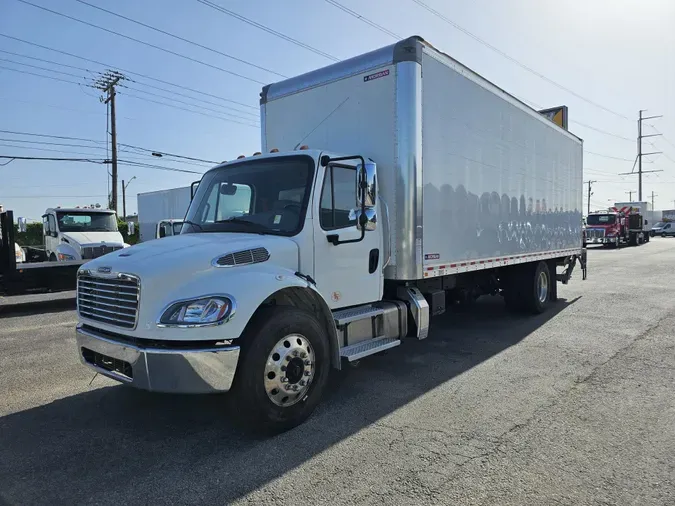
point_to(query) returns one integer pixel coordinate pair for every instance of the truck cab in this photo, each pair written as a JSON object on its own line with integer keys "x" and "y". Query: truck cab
{"x": 167, "y": 228}
{"x": 80, "y": 233}
{"x": 604, "y": 228}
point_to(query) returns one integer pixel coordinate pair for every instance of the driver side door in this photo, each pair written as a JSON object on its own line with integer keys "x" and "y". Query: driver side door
{"x": 346, "y": 274}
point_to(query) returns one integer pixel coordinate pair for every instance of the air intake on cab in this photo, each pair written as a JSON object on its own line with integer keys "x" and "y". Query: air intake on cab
{"x": 244, "y": 257}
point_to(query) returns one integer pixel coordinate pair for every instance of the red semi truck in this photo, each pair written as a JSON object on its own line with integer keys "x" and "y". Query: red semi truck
{"x": 615, "y": 227}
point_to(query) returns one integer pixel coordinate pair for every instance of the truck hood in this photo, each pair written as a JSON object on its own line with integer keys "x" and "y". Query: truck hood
{"x": 86, "y": 238}
{"x": 176, "y": 257}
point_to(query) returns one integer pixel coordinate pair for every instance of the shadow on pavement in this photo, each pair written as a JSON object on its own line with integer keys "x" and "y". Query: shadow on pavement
{"x": 111, "y": 444}
{"x": 32, "y": 305}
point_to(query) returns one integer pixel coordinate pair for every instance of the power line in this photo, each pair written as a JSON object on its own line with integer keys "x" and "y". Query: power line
{"x": 14, "y": 132}
{"x": 188, "y": 110}
{"x": 153, "y": 166}
{"x": 39, "y": 75}
{"x": 169, "y": 154}
{"x": 132, "y": 80}
{"x": 512, "y": 59}
{"x": 82, "y": 139}
{"x": 609, "y": 156}
{"x": 139, "y": 41}
{"x": 62, "y": 151}
{"x": 52, "y": 159}
{"x": 187, "y": 103}
{"x": 42, "y": 68}
{"x": 144, "y": 76}
{"x": 266, "y": 29}
{"x": 245, "y": 62}
{"x": 137, "y": 97}
{"x": 52, "y": 143}
{"x": 364, "y": 19}
{"x": 602, "y": 131}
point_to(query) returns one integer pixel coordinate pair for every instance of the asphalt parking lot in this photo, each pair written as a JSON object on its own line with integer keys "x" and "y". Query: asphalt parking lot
{"x": 573, "y": 407}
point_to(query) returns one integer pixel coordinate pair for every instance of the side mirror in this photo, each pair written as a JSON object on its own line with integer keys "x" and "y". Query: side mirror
{"x": 131, "y": 227}
{"x": 366, "y": 221}
{"x": 193, "y": 189}
{"x": 366, "y": 185}
{"x": 22, "y": 224}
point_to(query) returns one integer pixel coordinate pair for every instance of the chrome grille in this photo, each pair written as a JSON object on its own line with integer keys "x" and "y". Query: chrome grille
{"x": 249, "y": 256}
{"x": 109, "y": 300}
{"x": 595, "y": 233}
{"x": 90, "y": 252}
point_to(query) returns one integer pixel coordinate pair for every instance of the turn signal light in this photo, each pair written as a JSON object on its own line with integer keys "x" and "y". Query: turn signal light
{"x": 274, "y": 150}
{"x": 257, "y": 153}
{"x": 240, "y": 157}
{"x": 302, "y": 148}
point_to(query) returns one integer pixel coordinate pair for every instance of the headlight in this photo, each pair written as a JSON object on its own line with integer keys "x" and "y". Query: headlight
{"x": 63, "y": 256}
{"x": 213, "y": 310}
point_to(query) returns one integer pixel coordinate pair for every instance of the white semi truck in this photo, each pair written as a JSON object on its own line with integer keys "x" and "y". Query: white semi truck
{"x": 426, "y": 184}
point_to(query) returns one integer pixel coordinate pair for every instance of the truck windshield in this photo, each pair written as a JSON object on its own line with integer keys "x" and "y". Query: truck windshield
{"x": 255, "y": 196}
{"x": 601, "y": 219}
{"x": 83, "y": 221}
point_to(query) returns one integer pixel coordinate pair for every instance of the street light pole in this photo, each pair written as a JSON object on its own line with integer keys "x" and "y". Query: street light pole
{"x": 124, "y": 197}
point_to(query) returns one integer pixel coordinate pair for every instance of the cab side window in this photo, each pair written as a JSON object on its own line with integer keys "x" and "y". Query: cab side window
{"x": 338, "y": 198}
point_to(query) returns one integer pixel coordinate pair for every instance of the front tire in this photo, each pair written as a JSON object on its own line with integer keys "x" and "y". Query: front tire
{"x": 283, "y": 371}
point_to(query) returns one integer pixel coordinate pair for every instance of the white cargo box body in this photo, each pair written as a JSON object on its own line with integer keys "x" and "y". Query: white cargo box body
{"x": 645, "y": 208}
{"x": 156, "y": 206}
{"x": 472, "y": 177}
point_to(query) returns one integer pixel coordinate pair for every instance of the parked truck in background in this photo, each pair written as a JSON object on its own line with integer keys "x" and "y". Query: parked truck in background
{"x": 615, "y": 227}
{"x": 649, "y": 216}
{"x": 426, "y": 184}
{"x": 160, "y": 213}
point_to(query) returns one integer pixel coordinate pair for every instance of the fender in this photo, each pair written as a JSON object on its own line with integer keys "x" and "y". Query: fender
{"x": 250, "y": 286}
{"x": 67, "y": 249}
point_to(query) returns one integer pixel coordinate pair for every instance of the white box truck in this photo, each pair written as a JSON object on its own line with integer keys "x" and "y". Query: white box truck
{"x": 649, "y": 216}
{"x": 425, "y": 184}
{"x": 161, "y": 213}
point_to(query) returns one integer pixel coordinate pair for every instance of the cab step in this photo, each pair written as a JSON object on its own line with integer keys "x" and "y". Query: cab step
{"x": 345, "y": 316}
{"x": 363, "y": 349}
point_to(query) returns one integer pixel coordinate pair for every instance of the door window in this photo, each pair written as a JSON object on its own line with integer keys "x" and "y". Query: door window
{"x": 338, "y": 198}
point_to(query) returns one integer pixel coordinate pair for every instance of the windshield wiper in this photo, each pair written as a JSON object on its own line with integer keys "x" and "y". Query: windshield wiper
{"x": 243, "y": 221}
{"x": 193, "y": 223}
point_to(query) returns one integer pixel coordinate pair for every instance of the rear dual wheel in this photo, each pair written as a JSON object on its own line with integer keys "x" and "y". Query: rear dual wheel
{"x": 529, "y": 288}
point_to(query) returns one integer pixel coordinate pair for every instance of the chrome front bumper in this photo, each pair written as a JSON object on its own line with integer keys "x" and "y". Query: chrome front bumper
{"x": 178, "y": 370}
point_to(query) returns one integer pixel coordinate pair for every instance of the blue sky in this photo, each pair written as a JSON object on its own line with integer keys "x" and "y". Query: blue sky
{"x": 616, "y": 54}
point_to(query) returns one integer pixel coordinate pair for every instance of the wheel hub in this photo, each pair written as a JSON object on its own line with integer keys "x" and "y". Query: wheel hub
{"x": 289, "y": 370}
{"x": 543, "y": 287}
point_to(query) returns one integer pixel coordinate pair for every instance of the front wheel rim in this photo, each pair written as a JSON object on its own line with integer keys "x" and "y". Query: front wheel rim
{"x": 542, "y": 287}
{"x": 289, "y": 370}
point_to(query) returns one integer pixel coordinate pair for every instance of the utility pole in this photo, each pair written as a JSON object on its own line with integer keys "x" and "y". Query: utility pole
{"x": 630, "y": 195}
{"x": 106, "y": 83}
{"x": 640, "y": 154}
{"x": 653, "y": 195}
{"x": 589, "y": 183}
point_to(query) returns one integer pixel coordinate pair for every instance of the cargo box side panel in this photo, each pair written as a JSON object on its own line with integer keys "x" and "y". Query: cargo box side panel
{"x": 498, "y": 181}
{"x": 354, "y": 115}
{"x": 160, "y": 205}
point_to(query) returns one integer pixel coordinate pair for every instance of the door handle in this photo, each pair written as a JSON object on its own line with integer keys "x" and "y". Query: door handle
{"x": 373, "y": 260}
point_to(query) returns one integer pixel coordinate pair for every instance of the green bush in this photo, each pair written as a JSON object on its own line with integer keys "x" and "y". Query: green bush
{"x": 124, "y": 230}
{"x": 31, "y": 237}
